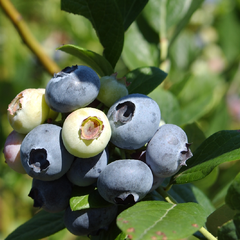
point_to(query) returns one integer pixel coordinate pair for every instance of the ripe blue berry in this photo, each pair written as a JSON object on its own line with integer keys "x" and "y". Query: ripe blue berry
{"x": 72, "y": 88}
{"x": 43, "y": 154}
{"x": 85, "y": 171}
{"x": 52, "y": 196}
{"x": 134, "y": 119}
{"x": 168, "y": 151}
{"x": 125, "y": 181}
{"x": 89, "y": 221}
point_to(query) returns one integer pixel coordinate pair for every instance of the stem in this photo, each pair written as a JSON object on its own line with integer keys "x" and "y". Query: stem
{"x": 163, "y": 37}
{"x": 206, "y": 233}
{"x": 166, "y": 196}
{"x": 27, "y": 36}
{"x": 171, "y": 200}
{"x": 168, "y": 187}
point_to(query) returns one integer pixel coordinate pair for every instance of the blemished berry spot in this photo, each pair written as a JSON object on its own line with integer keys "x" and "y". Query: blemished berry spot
{"x": 16, "y": 104}
{"x": 91, "y": 128}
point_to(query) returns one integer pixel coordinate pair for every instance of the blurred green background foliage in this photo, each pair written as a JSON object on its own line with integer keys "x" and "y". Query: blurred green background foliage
{"x": 202, "y": 87}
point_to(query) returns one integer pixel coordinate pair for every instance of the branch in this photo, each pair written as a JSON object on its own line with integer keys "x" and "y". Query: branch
{"x": 27, "y": 37}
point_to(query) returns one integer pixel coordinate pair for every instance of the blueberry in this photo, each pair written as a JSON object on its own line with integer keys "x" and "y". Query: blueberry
{"x": 43, "y": 154}
{"x": 52, "y": 196}
{"x": 125, "y": 181}
{"x": 28, "y": 110}
{"x": 72, "y": 88}
{"x": 86, "y": 132}
{"x": 89, "y": 221}
{"x": 134, "y": 119}
{"x": 11, "y": 151}
{"x": 85, "y": 171}
{"x": 168, "y": 151}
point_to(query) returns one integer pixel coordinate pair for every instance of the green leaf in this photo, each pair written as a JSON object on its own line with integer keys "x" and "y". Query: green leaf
{"x": 137, "y": 51}
{"x": 189, "y": 193}
{"x": 97, "y": 62}
{"x": 39, "y": 226}
{"x": 195, "y": 135}
{"x": 219, "y": 217}
{"x": 106, "y": 19}
{"x": 178, "y": 14}
{"x": 84, "y": 198}
{"x": 144, "y": 80}
{"x": 233, "y": 194}
{"x": 236, "y": 220}
{"x": 168, "y": 104}
{"x": 227, "y": 232}
{"x": 223, "y": 146}
{"x": 195, "y": 4}
{"x": 130, "y": 10}
{"x": 200, "y": 94}
{"x": 160, "y": 220}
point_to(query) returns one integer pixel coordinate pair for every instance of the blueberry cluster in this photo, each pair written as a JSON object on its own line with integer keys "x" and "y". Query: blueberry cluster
{"x": 77, "y": 150}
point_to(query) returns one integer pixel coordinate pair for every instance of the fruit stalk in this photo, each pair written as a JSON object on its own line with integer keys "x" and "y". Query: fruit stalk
{"x": 27, "y": 36}
{"x": 171, "y": 200}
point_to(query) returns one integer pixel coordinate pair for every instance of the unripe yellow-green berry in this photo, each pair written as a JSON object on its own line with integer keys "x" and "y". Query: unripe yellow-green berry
{"x": 28, "y": 110}
{"x": 86, "y": 132}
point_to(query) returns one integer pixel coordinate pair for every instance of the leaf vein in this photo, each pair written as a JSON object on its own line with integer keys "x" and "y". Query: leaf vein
{"x": 159, "y": 220}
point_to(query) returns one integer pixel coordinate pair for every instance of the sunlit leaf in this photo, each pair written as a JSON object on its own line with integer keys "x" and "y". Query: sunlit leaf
{"x": 223, "y": 146}
{"x": 87, "y": 197}
{"x": 159, "y": 220}
{"x": 97, "y": 62}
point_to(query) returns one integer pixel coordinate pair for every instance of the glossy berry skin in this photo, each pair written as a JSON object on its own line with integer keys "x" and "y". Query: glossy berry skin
{"x": 43, "y": 154}
{"x": 72, "y": 88}
{"x": 89, "y": 221}
{"x": 28, "y": 110}
{"x": 86, "y": 132}
{"x": 125, "y": 181}
{"x": 85, "y": 171}
{"x": 11, "y": 151}
{"x": 168, "y": 151}
{"x": 52, "y": 196}
{"x": 134, "y": 119}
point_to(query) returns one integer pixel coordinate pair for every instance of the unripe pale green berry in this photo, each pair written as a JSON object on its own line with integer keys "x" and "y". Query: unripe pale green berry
{"x": 28, "y": 110}
{"x": 52, "y": 115}
{"x": 86, "y": 132}
{"x": 111, "y": 89}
